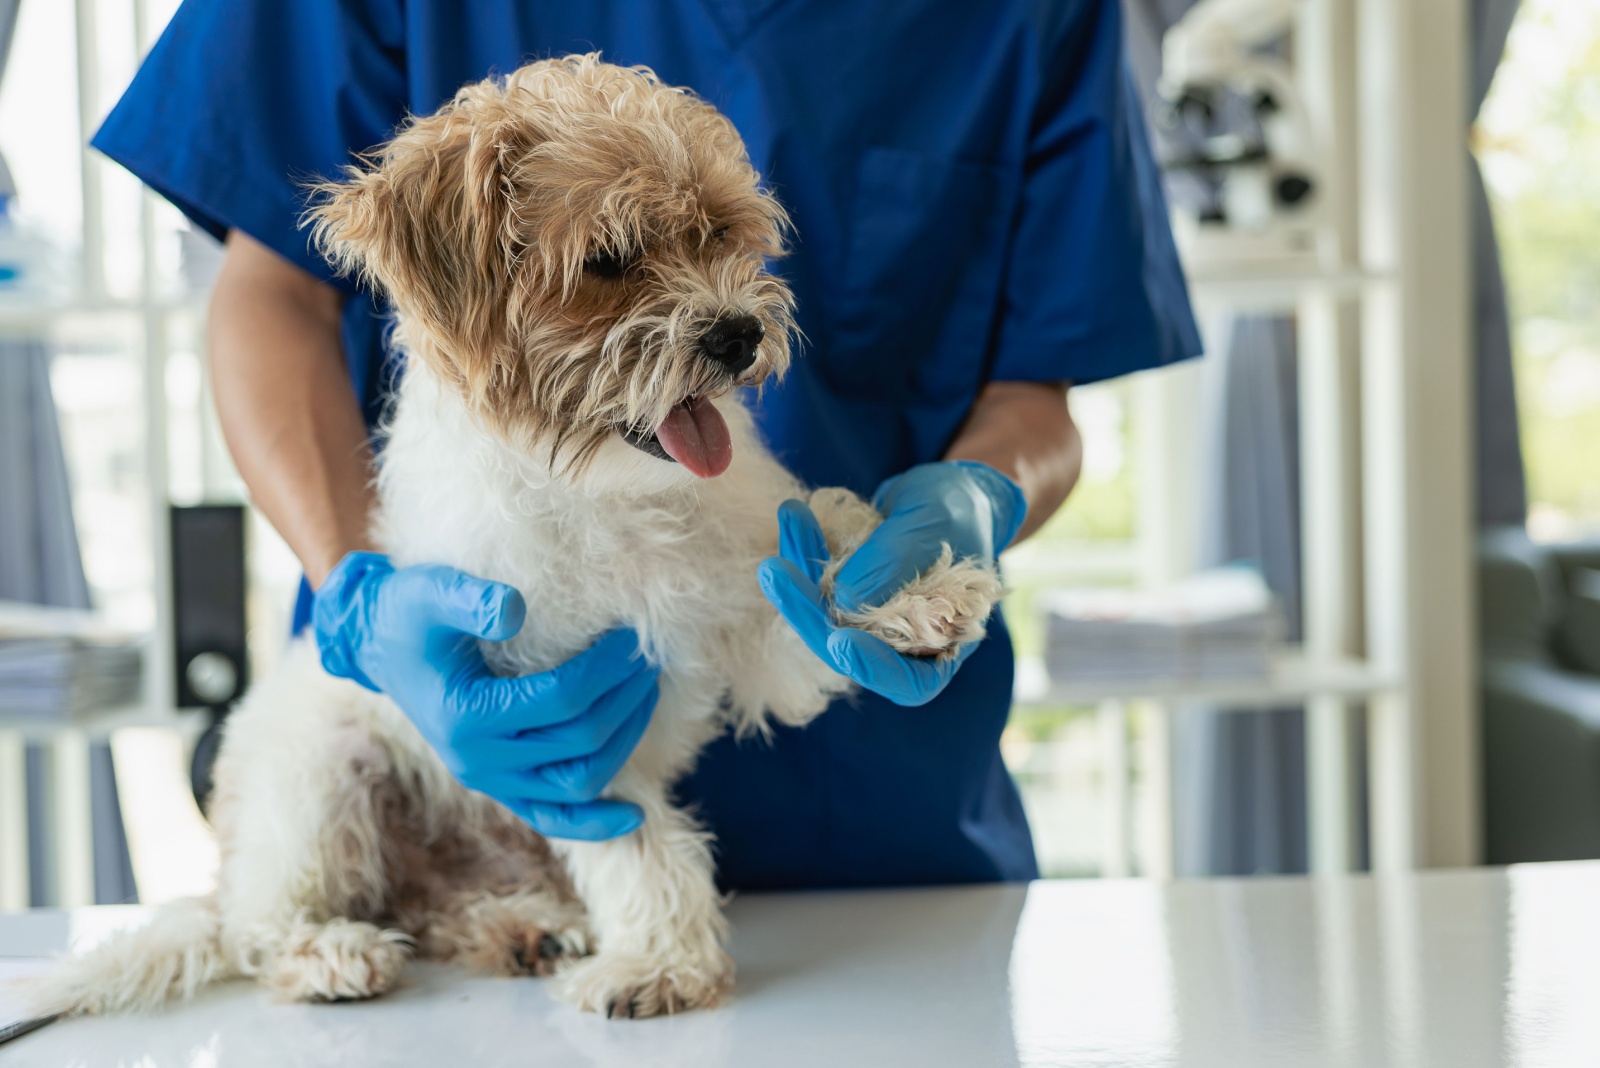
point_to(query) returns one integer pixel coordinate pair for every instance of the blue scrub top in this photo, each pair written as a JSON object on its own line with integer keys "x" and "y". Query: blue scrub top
{"x": 974, "y": 200}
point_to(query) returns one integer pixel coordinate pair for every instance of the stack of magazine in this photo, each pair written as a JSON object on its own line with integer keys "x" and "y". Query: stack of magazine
{"x": 56, "y": 664}
{"x": 1220, "y": 624}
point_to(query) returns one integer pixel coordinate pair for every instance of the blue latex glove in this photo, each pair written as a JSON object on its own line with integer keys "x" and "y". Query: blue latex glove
{"x": 969, "y": 506}
{"x": 543, "y": 745}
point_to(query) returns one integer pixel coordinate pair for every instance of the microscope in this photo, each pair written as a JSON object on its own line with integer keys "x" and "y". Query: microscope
{"x": 1242, "y": 159}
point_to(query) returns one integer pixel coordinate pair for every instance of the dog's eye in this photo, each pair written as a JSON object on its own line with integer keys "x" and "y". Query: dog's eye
{"x": 610, "y": 263}
{"x": 719, "y": 234}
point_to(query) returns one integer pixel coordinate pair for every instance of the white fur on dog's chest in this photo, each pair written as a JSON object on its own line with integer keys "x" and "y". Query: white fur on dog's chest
{"x": 678, "y": 566}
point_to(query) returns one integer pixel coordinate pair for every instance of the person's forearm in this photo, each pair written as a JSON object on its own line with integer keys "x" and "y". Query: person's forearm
{"x": 287, "y": 410}
{"x": 1024, "y": 431}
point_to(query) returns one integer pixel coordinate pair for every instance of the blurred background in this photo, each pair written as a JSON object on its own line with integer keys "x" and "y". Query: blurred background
{"x": 1337, "y": 577}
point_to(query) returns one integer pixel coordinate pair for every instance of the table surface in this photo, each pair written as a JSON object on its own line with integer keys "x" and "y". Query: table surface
{"x": 1483, "y": 967}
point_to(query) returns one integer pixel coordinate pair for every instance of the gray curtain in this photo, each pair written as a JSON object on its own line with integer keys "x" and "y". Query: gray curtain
{"x": 1502, "y": 486}
{"x": 39, "y": 559}
{"x": 1240, "y": 776}
{"x": 8, "y": 27}
{"x": 40, "y": 563}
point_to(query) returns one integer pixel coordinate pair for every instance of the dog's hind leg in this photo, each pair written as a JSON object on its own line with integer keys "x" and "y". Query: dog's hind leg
{"x": 305, "y": 792}
{"x": 309, "y": 795}
{"x": 655, "y": 913}
{"x": 308, "y": 926}
{"x": 339, "y": 960}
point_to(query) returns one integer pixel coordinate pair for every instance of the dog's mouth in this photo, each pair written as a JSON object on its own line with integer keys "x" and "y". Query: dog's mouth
{"x": 693, "y": 434}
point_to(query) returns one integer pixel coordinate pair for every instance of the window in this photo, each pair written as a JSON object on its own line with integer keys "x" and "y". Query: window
{"x": 1539, "y": 141}
{"x": 1053, "y": 751}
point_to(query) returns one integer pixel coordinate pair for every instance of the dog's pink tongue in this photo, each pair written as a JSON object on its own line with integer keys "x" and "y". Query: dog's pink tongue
{"x": 696, "y": 435}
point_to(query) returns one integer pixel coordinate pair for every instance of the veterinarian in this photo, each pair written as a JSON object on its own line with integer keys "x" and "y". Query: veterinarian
{"x": 978, "y": 225}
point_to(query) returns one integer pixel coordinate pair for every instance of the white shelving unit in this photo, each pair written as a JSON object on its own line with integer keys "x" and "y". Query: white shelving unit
{"x": 149, "y": 318}
{"x": 1385, "y": 408}
{"x": 1337, "y": 683}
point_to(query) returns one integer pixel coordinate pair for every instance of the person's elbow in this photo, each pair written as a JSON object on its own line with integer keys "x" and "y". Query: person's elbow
{"x": 255, "y": 281}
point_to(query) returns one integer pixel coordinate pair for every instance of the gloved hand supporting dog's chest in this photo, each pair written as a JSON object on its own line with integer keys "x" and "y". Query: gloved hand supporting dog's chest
{"x": 897, "y": 608}
{"x": 544, "y": 745}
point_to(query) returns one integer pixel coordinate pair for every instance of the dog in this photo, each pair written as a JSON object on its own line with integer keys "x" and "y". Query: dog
{"x": 577, "y": 255}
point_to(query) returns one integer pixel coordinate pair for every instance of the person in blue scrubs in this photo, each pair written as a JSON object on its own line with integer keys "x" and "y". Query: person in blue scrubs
{"x": 978, "y": 224}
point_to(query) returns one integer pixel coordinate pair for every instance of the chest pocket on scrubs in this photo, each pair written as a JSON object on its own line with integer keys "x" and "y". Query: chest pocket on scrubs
{"x": 916, "y": 296}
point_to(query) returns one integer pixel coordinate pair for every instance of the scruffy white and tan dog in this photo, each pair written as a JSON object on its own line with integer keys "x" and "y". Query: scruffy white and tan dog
{"x": 559, "y": 245}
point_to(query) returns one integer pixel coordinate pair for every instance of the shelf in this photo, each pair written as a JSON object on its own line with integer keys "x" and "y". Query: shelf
{"x": 100, "y": 723}
{"x": 1263, "y": 288}
{"x": 16, "y": 313}
{"x": 1295, "y": 680}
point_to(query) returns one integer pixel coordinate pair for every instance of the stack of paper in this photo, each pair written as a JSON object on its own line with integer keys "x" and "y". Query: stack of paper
{"x": 1221, "y": 624}
{"x": 56, "y": 664}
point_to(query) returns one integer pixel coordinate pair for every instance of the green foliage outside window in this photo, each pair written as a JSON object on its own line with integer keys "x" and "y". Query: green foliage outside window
{"x": 1539, "y": 140}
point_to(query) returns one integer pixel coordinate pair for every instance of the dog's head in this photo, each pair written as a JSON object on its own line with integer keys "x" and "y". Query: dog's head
{"x": 580, "y": 251}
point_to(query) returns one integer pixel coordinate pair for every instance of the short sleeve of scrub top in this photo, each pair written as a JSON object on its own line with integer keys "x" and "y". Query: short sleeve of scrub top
{"x": 233, "y": 141}
{"x": 240, "y": 105}
{"x": 1093, "y": 285}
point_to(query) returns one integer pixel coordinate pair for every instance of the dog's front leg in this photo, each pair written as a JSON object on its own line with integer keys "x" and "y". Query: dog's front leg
{"x": 654, "y": 912}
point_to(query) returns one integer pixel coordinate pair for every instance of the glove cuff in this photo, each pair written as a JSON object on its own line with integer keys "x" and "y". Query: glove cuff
{"x": 1009, "y": 504}
{"x": 338, "y": 612}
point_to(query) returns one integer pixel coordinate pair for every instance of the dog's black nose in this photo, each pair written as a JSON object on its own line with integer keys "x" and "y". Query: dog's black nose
{"x": 732, "y": 341}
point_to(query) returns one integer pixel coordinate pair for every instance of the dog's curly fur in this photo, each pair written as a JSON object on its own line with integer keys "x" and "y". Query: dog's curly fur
{"x": 347, "y": 847}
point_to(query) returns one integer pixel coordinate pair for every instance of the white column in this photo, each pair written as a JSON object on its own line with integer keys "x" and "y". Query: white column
{"x": 1417, "y": 392}
{"x": 94, "y": 230}
{"x": 71, "y": 819}
{"x": 1167, "y": 435}
{"x": 1115, "y": 862}
{"x": 1167, "y": 462}
{"x": 1158, "y": 839}
{"x": 14, "y": 870}
{"x": 1330, "y": 421}
{"x": 1326, "y": 424}
{"x": 160, "y": 685}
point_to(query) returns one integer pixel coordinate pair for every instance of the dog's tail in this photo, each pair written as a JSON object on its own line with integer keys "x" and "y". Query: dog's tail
{"x": 174, "y": 956}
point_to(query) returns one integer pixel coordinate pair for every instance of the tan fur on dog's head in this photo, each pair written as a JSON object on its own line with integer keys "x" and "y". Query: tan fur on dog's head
{"x": 557, "y": 241}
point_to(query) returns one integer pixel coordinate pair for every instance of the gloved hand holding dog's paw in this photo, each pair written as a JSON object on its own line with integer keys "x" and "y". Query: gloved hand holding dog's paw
{"x": 969, "y": 506}
{"x": 543, "y": 745}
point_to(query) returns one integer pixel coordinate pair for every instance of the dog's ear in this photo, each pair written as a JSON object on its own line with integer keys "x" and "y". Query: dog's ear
{"x": 428, "y": 219}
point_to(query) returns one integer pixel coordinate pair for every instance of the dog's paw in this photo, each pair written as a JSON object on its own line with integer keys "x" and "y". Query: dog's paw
{"x": 341, "y": 960}
{"x": 540, "y": 953}
{"x": 633, "y": 987}
{"x": 931, "y": 616}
